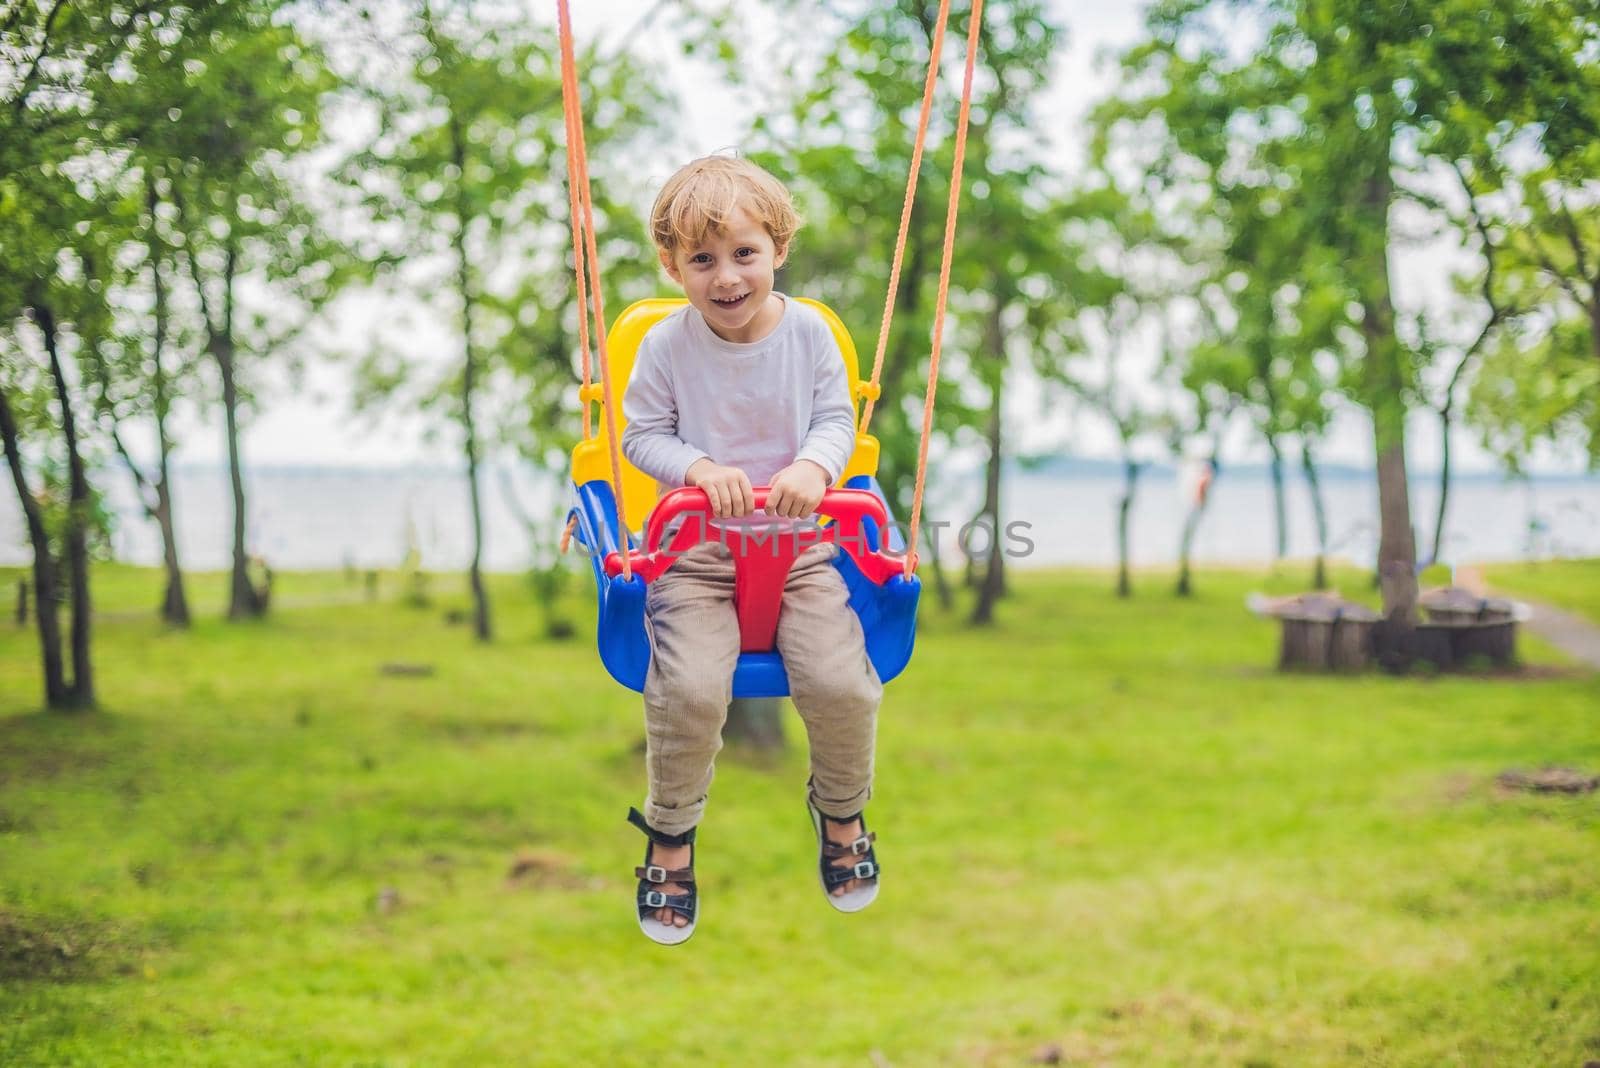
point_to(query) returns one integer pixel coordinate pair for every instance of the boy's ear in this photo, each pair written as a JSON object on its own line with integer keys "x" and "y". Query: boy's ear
{"x": 670, "y": 265}
{"x": 780, "y": 257}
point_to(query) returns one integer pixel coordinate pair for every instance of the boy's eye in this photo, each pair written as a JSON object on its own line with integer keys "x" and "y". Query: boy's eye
{"x": 744, "y": 253}
{"x": 700, "y": 257}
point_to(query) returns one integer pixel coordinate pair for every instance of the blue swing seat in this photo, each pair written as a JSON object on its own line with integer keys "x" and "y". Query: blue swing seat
{"x": 887, "y": 612}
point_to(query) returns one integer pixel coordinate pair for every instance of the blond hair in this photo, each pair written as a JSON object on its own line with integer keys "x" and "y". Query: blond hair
{"x": 705, "y": 193}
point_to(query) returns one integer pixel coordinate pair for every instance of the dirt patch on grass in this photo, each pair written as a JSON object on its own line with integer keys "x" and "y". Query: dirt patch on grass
{"x": 56, "y": 950}
{"x": 1126, "y": 1032}
{"x": 1551, "y": 780}
{"x": 543, "y": 869}
{"x": 1078, "y": 1048}
{"x": 478, "y": 731}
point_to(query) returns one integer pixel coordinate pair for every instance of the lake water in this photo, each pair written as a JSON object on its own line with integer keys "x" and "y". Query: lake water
{"x": 306, "y": 518}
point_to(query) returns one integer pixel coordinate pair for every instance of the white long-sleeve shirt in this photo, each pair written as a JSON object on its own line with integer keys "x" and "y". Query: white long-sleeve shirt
{"x": 758, "y": 406}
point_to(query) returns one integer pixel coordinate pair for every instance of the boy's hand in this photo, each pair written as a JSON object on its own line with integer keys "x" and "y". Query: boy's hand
{"x": 727, "y": 487}
{"x": 797, "y": 490}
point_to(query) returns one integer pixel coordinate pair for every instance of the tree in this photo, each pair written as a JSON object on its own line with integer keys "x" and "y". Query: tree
{"x": 1540, "y": 380}
{"x": 1106, "y": 342}
{"x": 1213, "y": 407}
{"x": 1345, "y": 110}
{"x": 469, "y": 160}
{"x": 1467, "y": 358}
{"x": 846, "y": 143}
{"x": 59, "y": 62}
{"x": 131, "y": 365}
{"x": 248, "y": 102}
{"x": 58, "y": 693}
{"x": 1009, "y": 253}
{"x": 52, "y": 298}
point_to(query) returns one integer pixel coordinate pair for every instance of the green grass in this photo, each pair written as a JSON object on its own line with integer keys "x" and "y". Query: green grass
{"x": 1106, "y": 826}
{"x": 1570, "y": 584}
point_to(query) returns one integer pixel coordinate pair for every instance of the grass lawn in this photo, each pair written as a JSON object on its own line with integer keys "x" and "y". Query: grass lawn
{"x": 1570, "y": 584}
{"x": 1110, "y": 831}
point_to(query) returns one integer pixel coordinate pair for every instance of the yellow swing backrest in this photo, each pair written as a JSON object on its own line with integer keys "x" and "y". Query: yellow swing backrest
{"x": 591, "y": 459}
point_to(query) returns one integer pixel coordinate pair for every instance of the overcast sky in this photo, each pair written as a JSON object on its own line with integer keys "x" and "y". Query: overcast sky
{"x": 310, "y": 423}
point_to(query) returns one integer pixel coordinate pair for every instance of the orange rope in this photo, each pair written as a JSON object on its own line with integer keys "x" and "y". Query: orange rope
{"x": 905, "y": 211}
{"x": 566, "y": 534}
{"x": 572, "y": 103}
{"x": 944, "y": 280}
{"x": 574, "y": 211}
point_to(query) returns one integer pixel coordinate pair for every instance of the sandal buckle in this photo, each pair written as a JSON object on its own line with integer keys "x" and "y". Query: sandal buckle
{"x": 655, "y": 899}
{"x": 865, "y": 869}
{"x": 655, "y": 873}
{"x": 861, "y": 846}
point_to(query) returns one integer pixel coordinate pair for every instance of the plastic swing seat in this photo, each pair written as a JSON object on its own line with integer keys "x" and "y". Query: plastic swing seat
{"x": 857, "y": 519}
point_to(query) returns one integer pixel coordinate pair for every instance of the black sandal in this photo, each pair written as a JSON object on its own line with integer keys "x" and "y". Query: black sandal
{"x": 865, "y": 866}
{"x": 650, "y": 900}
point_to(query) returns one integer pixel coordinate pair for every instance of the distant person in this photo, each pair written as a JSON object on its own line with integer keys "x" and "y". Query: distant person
{"x": 743, "y": 388}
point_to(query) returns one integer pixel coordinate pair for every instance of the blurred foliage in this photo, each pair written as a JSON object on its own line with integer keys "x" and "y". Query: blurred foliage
{"x": 844, "y": 144}
{"x": 1288, "y": 138}
{"x": 1236, "y": 223}
{"x": 467, "y": 176}
{"x": 157, "y": 137}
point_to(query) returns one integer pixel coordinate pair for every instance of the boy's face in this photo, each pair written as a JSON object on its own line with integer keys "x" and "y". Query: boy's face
{"x": 728, "y": 278}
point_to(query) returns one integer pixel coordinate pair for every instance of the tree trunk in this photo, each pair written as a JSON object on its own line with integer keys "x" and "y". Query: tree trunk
{"x": 480, "y": 597}
{"x": 941, "y": 582}
{"x": 174, "y": 603}
{"x": 1594, "y": 314}
{"x": 1445, "y": 420}
{"x": 1319, "y": 577}
{"x": 756, "y": 722}
{"x": 46, "y": 609}
{"x": 243, "y": 601}
{"x": 1385, "y": 389}
{"x": 994, "y": 575}
{"x": 77, "y": 533}
{"x": 1130, "y": 477}
{"x": 1191, "y": 525}
{"x": 1279, "y": 510}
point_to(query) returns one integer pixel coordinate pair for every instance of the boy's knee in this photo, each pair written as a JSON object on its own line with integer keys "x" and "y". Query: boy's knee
{"x": 692, "y": 702}
{"x": 850, "y": 691}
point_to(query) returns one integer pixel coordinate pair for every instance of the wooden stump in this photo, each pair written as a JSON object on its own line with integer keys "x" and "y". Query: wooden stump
{"x": 1324, "y": 633}
{"x": 1494, "y": 641}
{"x": 1464, "y": 629}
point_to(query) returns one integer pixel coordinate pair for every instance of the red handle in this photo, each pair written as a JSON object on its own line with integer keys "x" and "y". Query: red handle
{"x": 761, "y": 563}
{"x": 844, "y": 505}
{"x": 848, "y": 508}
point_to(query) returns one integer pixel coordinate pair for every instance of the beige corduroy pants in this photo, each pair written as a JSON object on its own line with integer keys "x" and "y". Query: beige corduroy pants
{"x": 694, "y": 646}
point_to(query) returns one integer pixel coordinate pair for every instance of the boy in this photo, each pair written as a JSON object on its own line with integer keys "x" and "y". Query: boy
{"x": 744, "y": 388}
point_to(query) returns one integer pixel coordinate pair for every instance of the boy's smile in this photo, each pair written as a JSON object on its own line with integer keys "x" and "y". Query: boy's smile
{"x": 727, "y": 277}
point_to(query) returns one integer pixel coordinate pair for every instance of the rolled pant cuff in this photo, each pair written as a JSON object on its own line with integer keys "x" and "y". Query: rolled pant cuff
{"x": 673, "y": 820}
{"x": 838, "y": 810}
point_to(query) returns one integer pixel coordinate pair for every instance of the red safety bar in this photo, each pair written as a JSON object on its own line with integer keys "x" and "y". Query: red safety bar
{"x": 761, "y": 561}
